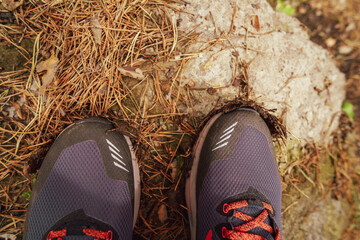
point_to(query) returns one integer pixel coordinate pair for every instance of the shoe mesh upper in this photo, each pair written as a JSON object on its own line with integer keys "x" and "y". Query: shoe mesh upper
{"x": 78, "y": 181}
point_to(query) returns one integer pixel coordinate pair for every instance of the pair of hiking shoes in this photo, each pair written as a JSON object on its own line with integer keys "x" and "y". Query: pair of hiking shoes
{"x": 88, "y": 186}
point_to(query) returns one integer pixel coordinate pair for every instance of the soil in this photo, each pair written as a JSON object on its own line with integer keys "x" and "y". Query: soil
{"x": 11, "y": 59}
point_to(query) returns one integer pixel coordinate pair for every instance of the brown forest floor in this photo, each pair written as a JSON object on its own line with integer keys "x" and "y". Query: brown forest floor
{"x": 163, "y": 131}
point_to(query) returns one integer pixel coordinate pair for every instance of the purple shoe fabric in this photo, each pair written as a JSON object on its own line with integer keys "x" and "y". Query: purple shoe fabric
{"x": 88, "y": 180}
{"x": 234, "y": 161}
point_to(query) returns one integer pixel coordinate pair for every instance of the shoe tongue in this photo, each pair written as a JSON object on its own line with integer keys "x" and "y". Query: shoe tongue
{"x": 78, "y": 238}
{"x": 75, "y": 229}
{"x": 252, "y": 210}
{"x": 76, "y": 234}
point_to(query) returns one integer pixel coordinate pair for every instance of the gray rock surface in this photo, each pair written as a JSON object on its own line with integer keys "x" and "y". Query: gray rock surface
{"x": 285, "y": 70}
{"x": 317, "y": 218}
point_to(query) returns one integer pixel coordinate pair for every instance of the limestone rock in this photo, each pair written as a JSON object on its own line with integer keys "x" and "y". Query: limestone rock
{"x": 285, "y": 70}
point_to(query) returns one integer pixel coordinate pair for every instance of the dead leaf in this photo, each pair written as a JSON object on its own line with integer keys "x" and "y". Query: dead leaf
{"x": 15, "y": 111}
{"x": 35, "y": 87}
{"x": 50, "y": 65}
{"x": 131, "y": 72}
{"x": 96, "y": 29}
{"x": 18, "y": 110}
{"x": 255, "y": 22}
{"x": 235, "y": 53}
{"x": 11, "y": 111}
{"x": 162, "y": 213}
{"x": 11, "y": 5}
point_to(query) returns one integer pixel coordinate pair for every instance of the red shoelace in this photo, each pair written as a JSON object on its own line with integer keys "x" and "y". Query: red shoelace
{"x": 87, "y": 231}
{"x": 242, "y": 231}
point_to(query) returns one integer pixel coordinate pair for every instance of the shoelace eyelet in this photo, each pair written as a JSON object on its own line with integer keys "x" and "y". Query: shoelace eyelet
{"x": 223, "y": 232}
{"x": 226, "y": 208}
{"x": 109, "y": 235}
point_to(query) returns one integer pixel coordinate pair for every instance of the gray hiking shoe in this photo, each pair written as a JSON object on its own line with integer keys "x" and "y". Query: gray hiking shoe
{"x": 234, "y": 189}
{"x": 88, "y": 186}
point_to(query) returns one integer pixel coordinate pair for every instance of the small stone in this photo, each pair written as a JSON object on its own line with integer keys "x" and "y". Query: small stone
{"x": 344, "y": 50}
{"x": 302, "y": 10}
{"x": 330, "y": 42}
